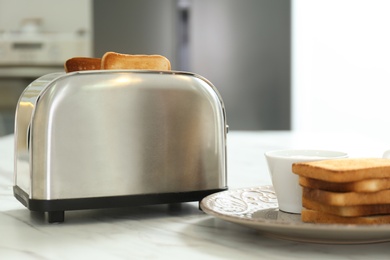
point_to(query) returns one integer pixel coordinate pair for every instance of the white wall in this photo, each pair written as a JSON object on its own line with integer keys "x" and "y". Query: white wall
{"x": 341, "y": 65}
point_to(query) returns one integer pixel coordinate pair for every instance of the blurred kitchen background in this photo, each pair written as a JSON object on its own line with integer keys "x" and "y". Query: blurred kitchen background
{"x": 318, "y": 65}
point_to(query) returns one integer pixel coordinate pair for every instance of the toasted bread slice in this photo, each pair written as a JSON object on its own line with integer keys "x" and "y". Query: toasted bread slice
{"x": 82, "y": 63}
{"x": 368, "y": 185}
{"x": 344, "y": 170}
{"x": 347, "y": 198}
{"x": 314, "y": 216}
{"x": 113, "y": 60}
{"x": 347, "y": 211}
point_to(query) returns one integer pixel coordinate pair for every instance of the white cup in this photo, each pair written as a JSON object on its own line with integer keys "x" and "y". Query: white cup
{"x": 386, "y": 154}
{"x": 285, "y": 182}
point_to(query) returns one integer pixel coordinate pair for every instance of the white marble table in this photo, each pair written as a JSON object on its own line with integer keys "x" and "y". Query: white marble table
{"x": 163, "y": 232}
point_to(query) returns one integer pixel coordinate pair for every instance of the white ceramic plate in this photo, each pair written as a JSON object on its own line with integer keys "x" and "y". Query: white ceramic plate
{"x": 257, "y": 208}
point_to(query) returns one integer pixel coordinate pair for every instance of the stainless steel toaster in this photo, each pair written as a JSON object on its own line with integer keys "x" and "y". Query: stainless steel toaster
{"x": 120, "y": 138}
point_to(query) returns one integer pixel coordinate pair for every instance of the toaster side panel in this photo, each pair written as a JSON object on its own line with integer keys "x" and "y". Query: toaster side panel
{"x": 23, "y": 118}
{"x": 122, "y": 133}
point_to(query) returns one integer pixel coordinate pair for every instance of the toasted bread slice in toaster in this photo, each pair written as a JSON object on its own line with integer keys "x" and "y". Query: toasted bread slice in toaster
{"x": 82, "y": 63}
{"x": 314, "y": 216}
{"x": 113, "y": 60}
{"x": 367, "y": 185}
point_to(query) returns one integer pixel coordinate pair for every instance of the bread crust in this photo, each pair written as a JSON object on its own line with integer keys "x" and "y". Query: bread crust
{"x": 82, "y": 63}
{"x": 367, "y": 185}
{"x": 313, "y": 216}
{"x": 347, "y": 211}
{"x": 344, "y": 170}
{"x": 347, "y": 198}
{"x": 113, "y": 60}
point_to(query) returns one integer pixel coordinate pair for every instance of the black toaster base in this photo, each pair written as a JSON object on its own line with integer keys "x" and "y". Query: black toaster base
{"x": 56, "y": 208}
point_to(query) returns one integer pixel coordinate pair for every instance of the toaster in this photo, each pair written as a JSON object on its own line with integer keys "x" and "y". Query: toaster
{"x": 118, "y": 138}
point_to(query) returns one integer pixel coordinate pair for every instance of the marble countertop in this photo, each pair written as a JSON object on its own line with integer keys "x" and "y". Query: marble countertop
{"x": 170, "y": 232}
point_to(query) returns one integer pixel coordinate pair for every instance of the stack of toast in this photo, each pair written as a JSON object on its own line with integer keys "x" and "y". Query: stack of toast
{"x": 345, "y": 191}
{"x": 113, "y": 60}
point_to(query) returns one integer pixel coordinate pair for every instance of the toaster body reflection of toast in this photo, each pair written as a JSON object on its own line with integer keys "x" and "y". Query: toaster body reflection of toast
{"x": 98, "y": 139}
